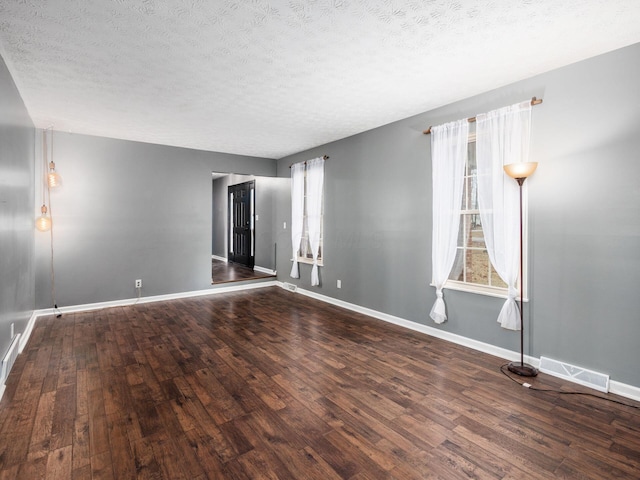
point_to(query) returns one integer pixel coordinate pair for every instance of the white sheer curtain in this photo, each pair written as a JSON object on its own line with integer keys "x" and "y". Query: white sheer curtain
{"x": 448, "y": 157}
{"x": 502, "y": 137}
{"x": 297, "y": 212}
{"x": 315, "y": 180}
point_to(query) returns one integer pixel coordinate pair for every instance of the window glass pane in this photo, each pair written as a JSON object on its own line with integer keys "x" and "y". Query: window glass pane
{"x": 471, "y": 158}
{"x": 305, "y": 248}
{"x": 470, "y": 191}
{"x": 457, "y": 272}
{"x": 304, "y": 242}
{"x": 476, "y": 234}
{"x": 472, "y": 184}
{"x": 470, "y": 233}
{"x": 463, "y": 203}
{"x": 477, "y": 263}
{"x": 473, "y": 193}
{"x": 461, "y": 231}
{"x": 466, "y": 224}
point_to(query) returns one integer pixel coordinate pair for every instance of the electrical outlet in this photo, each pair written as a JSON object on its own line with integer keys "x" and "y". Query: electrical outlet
{"x": 339, "y": 284}
{"x": 284, "y": 226}
{"x": 139, "y": 283}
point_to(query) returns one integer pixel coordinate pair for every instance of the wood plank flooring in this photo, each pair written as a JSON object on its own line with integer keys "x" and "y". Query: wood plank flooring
{"x": 225, "y": 272}
{"x": 267, "y": 384}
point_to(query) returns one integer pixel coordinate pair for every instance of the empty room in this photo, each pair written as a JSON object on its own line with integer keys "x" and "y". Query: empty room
{"x": 319, "y": 239}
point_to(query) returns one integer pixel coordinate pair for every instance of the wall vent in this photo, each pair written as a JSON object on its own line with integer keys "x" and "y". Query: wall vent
{"x": 10, "y": 358}
{"x": 588, "y": 378}
{"x": 289, "y": 286}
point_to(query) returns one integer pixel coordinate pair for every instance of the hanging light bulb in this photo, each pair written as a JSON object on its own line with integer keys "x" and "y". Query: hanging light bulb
{"x": 54, "y": 179}
{"x": 43, "y": 222}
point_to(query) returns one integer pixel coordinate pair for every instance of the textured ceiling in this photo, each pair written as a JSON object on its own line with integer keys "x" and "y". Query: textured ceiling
{"x": 271, "y": 78}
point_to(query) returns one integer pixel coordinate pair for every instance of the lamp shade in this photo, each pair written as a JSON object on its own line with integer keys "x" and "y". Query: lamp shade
{"x": 43, "y": 222}
{"x": 520, "y": 170}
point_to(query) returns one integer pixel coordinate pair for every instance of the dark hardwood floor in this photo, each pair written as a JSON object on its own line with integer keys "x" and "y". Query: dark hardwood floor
{"x": 270, "y": 384}
{"x": 223, "y": 272}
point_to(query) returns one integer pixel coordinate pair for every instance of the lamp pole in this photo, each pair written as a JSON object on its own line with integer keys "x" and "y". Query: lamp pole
{"x": 520, "y": 172}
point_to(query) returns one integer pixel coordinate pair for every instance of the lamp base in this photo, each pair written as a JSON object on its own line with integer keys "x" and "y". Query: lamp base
{"x": 522, "y": 369}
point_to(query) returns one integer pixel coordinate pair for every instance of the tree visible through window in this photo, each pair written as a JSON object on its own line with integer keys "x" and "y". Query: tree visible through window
{"x": 472, "y": 264}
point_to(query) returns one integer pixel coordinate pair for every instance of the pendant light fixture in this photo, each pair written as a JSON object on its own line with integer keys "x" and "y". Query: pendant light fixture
{"x": 43, "y": 222}
{"x": 50, "y": 180}
{"x": 53, "y": 178}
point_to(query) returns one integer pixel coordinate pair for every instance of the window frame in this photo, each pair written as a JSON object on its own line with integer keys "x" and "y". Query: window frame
{"x": 305, "y": 232}
{"x": 489, "y": 290}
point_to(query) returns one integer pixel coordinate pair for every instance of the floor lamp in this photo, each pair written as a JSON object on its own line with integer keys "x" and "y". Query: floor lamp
{"x": 520, "y": 171}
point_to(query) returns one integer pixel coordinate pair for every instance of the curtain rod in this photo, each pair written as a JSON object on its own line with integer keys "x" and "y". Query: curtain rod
{"x": 324, "y": 157}
{"x": 534, "y": 101}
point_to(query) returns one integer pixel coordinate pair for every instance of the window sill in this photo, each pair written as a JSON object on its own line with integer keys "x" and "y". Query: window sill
{"x": 478, "y": 289}
{"x": 308, "y": 261}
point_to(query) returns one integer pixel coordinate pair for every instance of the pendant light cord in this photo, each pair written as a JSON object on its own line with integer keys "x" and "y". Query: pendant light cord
{"x": 44, "y": 170}
{"x": 56, "y": 311}
{"x": 47, "y": 188}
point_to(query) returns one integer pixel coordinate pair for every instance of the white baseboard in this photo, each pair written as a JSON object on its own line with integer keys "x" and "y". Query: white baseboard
{"x": 156, "y": 298}
{"x": 27, "y": 331}
{"x": 220, "y": 259}
{"x": 624, "y": 390}
{"x": 264, "y": 270}
{"x": 24, "y": 338}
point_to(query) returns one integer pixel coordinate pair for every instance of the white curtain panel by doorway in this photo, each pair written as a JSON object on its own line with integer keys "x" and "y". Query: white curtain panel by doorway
{"x": 297, "y": 213}
{"x": 502, "y": 137}
{"x": 315, "y": 181}
{"x": 448, "y": 158}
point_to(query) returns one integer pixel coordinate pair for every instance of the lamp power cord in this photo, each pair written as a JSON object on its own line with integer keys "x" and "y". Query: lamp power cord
{"x": 561, "y": 392}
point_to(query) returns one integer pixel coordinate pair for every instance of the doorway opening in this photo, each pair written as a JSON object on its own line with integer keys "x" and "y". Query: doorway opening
{"x": 243, "y": 237}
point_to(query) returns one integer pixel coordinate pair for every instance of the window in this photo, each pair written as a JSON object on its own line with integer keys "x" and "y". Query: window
{"x": 472, "y": 269}
{"x": 304, "y": 252}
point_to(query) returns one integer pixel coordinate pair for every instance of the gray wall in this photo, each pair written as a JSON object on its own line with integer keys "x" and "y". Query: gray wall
{"x": 130, "y": 210}
{"x": 266, "y": 191}
{"x": 584, "y": 218}
{"x": 219, "y": 214}
{"x": 17, "y": 211}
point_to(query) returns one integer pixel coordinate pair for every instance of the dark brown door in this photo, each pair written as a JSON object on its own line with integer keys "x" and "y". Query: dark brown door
{"x": 241, "y": 203}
